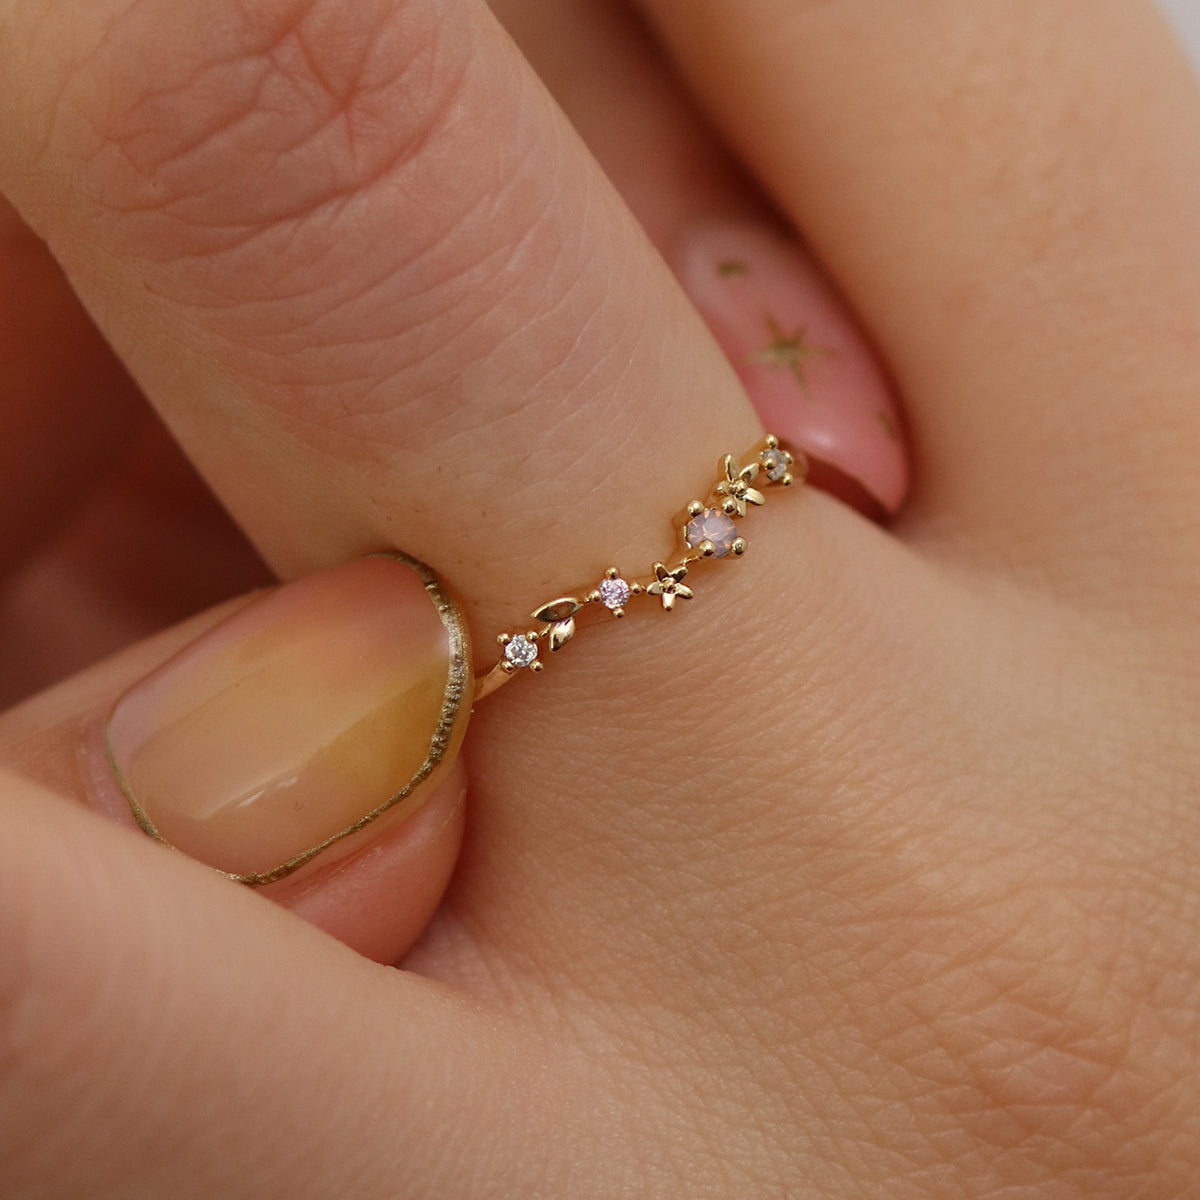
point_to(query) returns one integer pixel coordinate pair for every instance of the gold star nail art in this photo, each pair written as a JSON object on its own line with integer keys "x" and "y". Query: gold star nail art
{"x": 789, "y": 351}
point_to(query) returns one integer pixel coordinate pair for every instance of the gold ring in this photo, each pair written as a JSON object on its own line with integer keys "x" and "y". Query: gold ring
{"x": 707, "y": 530}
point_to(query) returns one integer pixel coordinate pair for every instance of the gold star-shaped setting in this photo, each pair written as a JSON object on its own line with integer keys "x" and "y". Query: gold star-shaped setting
{"x": 668, "y": 584}
{"x": 788, "y": 350}
{"x": 735, "y": 487}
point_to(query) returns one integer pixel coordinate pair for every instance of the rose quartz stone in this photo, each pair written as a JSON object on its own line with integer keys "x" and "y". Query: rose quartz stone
{"x": 712, "y": 525}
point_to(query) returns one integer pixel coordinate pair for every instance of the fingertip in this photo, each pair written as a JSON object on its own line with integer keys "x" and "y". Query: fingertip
{"x": 292, "y": 727}
{"x": 379, "y": 899}
{"x": 808, "y": 369}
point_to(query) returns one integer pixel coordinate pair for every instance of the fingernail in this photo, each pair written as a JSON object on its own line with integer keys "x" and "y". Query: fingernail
{"x": 299, "y": 719}
{"x": 806, "y": 366}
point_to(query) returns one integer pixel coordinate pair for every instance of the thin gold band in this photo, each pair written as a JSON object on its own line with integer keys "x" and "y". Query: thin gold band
{"x": 706, "y": 530}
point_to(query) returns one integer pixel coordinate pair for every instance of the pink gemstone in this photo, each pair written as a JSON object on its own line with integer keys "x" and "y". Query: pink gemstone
{"x": 614, "y": 593}
{"x": 712, "y": 525}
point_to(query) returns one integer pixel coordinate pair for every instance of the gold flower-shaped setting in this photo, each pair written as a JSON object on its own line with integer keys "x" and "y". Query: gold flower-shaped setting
{"x": 669, "y": 585}
{"x": 735, "y": 487}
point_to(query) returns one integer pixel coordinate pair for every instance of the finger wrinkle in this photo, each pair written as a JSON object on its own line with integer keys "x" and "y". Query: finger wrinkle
{"x": 296, "y": 210}
{"x": 198, "y": 133}
{"x": 1038, "y": 1042}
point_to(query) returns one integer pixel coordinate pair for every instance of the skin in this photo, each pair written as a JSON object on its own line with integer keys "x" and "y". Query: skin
{"x": 900, "y": 897}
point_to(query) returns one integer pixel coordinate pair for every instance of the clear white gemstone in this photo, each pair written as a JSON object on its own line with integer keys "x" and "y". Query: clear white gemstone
{"x": 712, "y": 525}
{"x": 775, "y": 464}
{"x": 614, "y": 593}
{"x": 520, "y": 651}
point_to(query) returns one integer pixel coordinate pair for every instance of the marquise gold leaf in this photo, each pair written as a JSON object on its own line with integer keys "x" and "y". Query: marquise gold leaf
{"x": 561, "y": 633}
{"x": 561, "y": 609}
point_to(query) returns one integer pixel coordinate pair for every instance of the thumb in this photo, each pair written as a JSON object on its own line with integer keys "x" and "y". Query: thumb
{"x": 302, "y": 741}
{"x": 165, "y": 1033}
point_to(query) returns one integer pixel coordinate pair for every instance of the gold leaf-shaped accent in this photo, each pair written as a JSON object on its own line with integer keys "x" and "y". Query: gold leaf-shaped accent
{"x": 558, "y": 610}
{"x": 561, "y": 633}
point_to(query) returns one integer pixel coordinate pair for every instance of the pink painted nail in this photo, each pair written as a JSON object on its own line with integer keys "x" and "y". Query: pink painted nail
{"x": 804, "y": 363}
{"x": 298, "y": 719}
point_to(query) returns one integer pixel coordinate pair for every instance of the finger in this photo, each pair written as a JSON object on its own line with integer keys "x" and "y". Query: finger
{"x": 305, "y": 743}
{"x": 1005, "y": 191}
{"x": 798, "y": 351}
{"x": 165, "y": 1035}
{"x": 349, "y": 347}
{"x": 68, "y": 403}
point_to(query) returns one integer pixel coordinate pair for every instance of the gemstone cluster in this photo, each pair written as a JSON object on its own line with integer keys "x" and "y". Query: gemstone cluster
{"x": 707, "y": 529}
